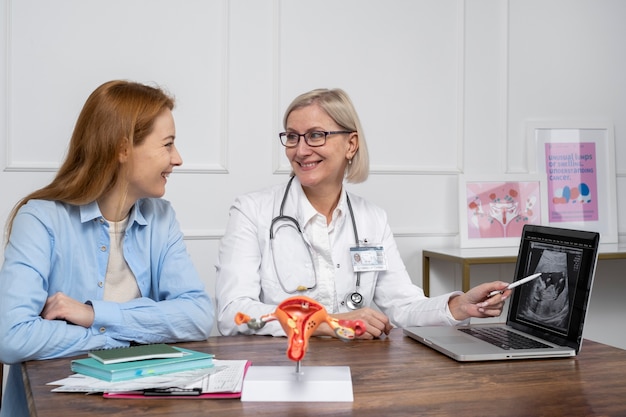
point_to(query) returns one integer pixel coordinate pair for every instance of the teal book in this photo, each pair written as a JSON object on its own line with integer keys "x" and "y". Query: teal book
{"x": 125, "y": 371}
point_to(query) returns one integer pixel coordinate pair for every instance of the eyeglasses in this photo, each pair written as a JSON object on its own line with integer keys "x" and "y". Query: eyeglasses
{"x": 313, "y": 139}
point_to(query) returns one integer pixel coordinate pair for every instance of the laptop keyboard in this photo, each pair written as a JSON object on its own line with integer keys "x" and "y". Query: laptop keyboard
{"x": 503, "y": 338}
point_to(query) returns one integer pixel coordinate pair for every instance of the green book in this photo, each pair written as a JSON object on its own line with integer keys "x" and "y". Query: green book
{"x": 125, "y": 371}
{"x": 135, "y": 353}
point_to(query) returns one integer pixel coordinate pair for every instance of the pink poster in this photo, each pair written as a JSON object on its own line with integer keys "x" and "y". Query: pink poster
{"x": 572, "y": 181}
{"x": 501, "y": 209}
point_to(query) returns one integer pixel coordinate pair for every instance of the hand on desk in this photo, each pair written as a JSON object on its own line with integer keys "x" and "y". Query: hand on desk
{"x": 477, "y": 303}
{"x": 376, "y": 323}
{"x": 61, "y": 307}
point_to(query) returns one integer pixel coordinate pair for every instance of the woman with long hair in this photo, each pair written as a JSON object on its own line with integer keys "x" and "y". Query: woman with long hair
{"x": 96, "y": 259}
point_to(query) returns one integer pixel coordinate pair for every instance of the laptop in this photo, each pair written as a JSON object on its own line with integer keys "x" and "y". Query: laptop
{"x": 548, "y": 312}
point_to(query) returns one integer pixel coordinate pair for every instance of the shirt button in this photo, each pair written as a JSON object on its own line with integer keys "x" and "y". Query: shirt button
{"x": 102, "y": 329}
{"x": 103, "y": 248}
{"x": 100, "y": 284}
{"x": 101, "y": 219}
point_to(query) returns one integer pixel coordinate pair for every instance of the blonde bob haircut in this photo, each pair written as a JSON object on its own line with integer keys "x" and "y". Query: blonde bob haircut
{"x": 337, "y": 104}
{"x": 117, "y": 114}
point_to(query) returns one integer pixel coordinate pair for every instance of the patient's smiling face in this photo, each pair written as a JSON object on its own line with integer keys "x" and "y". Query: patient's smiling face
{"x": 153, "y": 160}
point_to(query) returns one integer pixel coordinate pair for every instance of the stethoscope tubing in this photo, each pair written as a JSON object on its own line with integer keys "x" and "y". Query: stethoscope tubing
{"x": 353, "y": 300}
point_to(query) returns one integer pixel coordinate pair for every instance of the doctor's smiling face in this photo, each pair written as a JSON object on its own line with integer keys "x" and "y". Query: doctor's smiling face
{"x": 319, "y": 166}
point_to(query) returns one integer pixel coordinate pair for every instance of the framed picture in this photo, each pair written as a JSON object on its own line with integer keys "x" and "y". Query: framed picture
{"x": 494, "y": 208}
{"x": 577, "y": 163}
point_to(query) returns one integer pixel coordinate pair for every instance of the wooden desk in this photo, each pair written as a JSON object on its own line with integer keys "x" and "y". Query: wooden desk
{"x": 466, "y": 257}
{"x": 393, "y": 376}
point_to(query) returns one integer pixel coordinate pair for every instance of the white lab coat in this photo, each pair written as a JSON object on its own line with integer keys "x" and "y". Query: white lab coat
{"x": 247, "y": 280}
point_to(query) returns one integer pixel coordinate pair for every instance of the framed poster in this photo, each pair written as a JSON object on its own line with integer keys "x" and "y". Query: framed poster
{"x": 577, "y": 163}
{"x": 494, "y": 208}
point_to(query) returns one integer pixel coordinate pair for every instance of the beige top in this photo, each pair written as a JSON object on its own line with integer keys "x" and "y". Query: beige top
{"x": 120, "y": 284}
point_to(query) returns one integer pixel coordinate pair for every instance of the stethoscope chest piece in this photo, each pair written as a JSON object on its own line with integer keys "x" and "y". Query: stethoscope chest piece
{"x": 354, "y": 300}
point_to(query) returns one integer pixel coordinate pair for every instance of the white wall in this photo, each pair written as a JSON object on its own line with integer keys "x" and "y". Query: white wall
{"x": 443, "y": 87}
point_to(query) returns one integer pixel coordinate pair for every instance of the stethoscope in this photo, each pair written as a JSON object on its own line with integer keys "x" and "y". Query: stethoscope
{"x": 353, "y": 300}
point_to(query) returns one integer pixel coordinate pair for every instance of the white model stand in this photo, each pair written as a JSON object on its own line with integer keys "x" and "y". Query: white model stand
{"x": 298, "y": 384}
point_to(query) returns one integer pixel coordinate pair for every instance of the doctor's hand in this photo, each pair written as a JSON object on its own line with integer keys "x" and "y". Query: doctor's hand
{"x": 477, "y": 303}
{"x": 61, "y": 307}
{"x": 376, "y": 323}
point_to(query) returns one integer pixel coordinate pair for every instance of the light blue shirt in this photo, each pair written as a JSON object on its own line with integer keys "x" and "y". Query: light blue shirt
{"x": 60, "y": 247}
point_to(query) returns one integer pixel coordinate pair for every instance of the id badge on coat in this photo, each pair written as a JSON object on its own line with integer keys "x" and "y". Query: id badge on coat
{"x": 368, "y": 258}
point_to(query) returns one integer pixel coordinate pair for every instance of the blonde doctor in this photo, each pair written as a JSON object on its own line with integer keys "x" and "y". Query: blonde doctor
{"x": 310, "y": 236}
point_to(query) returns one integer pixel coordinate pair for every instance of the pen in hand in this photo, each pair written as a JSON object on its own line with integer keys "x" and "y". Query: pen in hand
{"x": 515, "y": 284}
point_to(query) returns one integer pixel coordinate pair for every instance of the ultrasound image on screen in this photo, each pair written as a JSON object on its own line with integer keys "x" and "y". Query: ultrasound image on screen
{"x": 547, "y": 300}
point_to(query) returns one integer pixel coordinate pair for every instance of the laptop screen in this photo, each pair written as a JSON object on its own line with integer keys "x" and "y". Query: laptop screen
{"x": 554, "y": 305}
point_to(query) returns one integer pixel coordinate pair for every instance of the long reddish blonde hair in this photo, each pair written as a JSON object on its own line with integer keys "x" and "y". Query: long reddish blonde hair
{"x": 118, "y": 113}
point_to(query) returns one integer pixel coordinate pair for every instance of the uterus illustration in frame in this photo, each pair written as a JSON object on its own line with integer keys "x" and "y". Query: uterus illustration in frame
{"x": 500, "y": 209}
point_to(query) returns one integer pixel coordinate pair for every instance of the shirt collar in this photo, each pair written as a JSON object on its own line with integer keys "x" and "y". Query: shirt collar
{"x": 91, "y": 211}
{"x": 307, "y": 211}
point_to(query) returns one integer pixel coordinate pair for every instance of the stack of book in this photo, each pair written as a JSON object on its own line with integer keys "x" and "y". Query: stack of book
{"x": 156, "y": 370}
{"x": 123, "y": 364}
